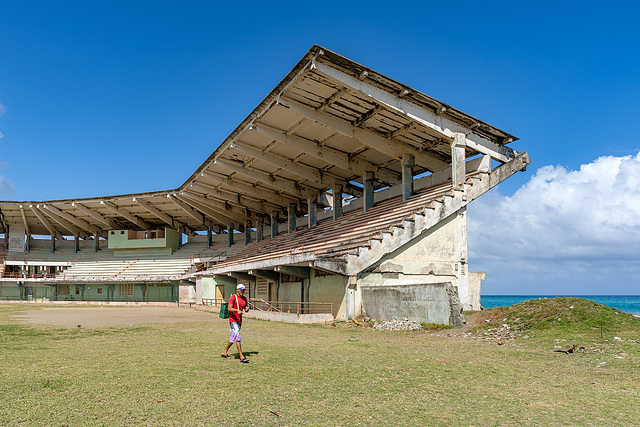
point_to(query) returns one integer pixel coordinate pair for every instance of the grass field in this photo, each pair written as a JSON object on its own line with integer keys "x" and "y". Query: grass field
{"x": 172, "y": 374}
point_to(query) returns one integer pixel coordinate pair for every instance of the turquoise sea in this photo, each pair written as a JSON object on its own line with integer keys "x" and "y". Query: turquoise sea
{"x": 626, "y": 303}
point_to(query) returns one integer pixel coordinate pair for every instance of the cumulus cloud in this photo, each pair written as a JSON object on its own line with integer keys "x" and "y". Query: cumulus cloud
{"x": 562, "y": 225}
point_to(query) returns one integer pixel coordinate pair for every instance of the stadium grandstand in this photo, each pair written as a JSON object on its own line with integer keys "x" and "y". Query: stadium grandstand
{"x": 343, "y": 194}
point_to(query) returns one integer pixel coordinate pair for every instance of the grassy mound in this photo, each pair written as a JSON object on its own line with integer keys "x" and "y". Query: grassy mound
{"x": 560, "y": 315}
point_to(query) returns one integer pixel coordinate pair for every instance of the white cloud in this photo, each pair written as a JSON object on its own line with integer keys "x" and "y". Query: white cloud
{"x": 562, "y": 226}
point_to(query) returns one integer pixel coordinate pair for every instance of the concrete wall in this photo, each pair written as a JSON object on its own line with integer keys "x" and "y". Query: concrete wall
{"x": 437, "y": 256}
{"x": 426, "y": 302}
{"x": 290, "y": 292}
{"x": 330, "y": 289}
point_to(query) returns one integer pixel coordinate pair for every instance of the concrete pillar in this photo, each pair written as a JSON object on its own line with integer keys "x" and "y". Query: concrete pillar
{"x": 462, "y": 272}
{"x": 407, "y": 176}
{"x": 312, "y": 216}
{"x": 76, "y": 243}
{"x": 53, "y": 243}
{"x": 350, "y": 309}
{"x": 337, "y": 201}
{"x": 247, "y": 232}
{"x": 259, "y": 228}
{"x": 96, "y": 243}
{"x": 230, "y": 235}
{"x": 274, "y": 224}
{"x": 28, "y": 243}
{"x": 208, "y": 237}
{"x": 367, "y": 189}
{"x": 291, "y": 217}
{"x": 458, "y": 157}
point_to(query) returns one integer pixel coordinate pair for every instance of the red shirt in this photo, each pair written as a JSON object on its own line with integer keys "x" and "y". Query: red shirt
{"x": 234, "y": 301}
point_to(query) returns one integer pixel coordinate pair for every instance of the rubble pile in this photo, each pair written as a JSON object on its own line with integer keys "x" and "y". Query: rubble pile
{"x": 397, "y": 325}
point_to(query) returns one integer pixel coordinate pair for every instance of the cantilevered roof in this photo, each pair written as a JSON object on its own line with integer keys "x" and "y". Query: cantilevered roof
{"x": 327, "y": 123}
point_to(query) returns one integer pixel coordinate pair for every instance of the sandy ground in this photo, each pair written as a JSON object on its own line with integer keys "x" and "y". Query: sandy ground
{"x": 91, "y": 317}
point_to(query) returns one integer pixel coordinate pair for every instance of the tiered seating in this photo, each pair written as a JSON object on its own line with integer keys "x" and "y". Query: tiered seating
{"x": 355, "y": 229}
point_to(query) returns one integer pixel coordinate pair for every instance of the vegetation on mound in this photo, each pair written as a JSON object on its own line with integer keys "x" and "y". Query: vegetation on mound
{"x": 559, "y": 315}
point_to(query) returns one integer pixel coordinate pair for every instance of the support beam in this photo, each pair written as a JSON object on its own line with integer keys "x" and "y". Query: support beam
{"x": 52, "y": 230}
{"x": 233, "y": 198}
{"x": 241, "y": 187}
{"x": 307, "y": 172}
{"x": 247, "y": 232}
{"x": 312, "y": 214}
{"x": 214, "y": 209}
{"x": 337, "y": 202}
{"x": 367, "y": 188}
{"x": 127, "y": 215}
{"x": 458, "y": 157}
{"x": 161, "y": 215}
{"x": 96, "y": 243}
{"x": 84, "y": 225}
{"x": 329, "y": 155}
{"x": 407, "y": 176}
{"x": 230, "y": 236}
{"x": 24, "y": 221}
{"x": 72, "y": 229}
{"x": 302, "y": 272}
{"x": 209, "y": 237}
{"x": 279, "y": 184}
{"x": 274, "y": 224}
{"x": 76, "y": 244}
{"x": 291, "y": 217}
{"x": 197, "y": 216}
{"x": 97, "y": 216}
{"x": 267, "y": 274}
{"x": 260, "y": 228}
{"x": 368, "y": 138}
{"x": 438, "y": 124}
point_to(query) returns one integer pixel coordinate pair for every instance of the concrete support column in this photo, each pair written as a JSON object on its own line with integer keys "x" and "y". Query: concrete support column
{"x": 53, "y": 243}
{"x": 247, "y": 232}
{"x": 291, "y": 217}
{"x": 458, "y": 158}
{"x": 76, "y": 243}
{"x": 28, "y": 243}
{"x": 312, "y": 216}
{"x": 96, "y": 242}
{"x": 230, "y": 235}
{"x": 350, "y": 309}
{"x": 208, "y": 237}
{"x": 198, "y": 290}
{"x": 337, "y": 201}
{"x": 408, "y": 162}
{"x": 259, "y": 228}
{"x": 180, "y": 231}
{"x": 367, "y": 183}
{"x": 462, "y": 272}
{"x": 274, "y": 224}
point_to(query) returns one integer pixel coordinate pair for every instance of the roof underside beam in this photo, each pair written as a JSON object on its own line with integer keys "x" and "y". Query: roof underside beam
{"x": 97, "y": 216}
{"x": 329, "y": 155}
{"x": 220, "y": 217}
{"x": 260, "y": 192}
{"x": 84, "y": 225}
{"x": 188, "y": 209}
{"x": 127, "y": 215}
{"x": 24, "y": 220}
{"x": 289, "y": 187}
{"x": 428, "y": 118}
{"x": 235, "y": 198}
{"x": 72, "y": 229}
{"x": 52, "y": 230}
{"x": 366, "y": 137}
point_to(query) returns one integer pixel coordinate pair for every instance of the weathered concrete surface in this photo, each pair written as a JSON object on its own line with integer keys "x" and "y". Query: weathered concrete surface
{"x": 426, "y": 302}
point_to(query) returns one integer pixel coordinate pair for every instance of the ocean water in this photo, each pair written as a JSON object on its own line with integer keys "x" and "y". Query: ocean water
{"x": 626, "y": 303}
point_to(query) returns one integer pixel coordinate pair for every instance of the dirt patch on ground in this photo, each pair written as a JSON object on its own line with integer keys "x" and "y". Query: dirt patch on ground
{"x": 92, "y": 317}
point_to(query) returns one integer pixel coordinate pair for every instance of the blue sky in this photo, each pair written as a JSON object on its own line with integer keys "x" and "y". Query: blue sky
{"x": 102, "y": 98}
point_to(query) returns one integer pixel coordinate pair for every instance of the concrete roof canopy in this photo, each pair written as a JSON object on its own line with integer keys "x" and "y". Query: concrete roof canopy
{"x": 327, "y": 123}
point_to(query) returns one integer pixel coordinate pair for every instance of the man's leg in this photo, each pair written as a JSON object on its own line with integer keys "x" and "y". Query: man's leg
{"x": 239, "y": 350}
{"x": 226, "y": 349}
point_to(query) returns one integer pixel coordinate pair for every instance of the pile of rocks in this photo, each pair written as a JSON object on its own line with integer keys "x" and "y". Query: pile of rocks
{"x": 397, "y": 325}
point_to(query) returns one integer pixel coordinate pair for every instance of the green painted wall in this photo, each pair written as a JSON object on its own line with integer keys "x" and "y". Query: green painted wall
{"x": 119, "y": 239}
{"x": 327, "y": 289}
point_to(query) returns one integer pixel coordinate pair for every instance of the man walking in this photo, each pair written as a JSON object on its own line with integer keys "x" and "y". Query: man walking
{"x": 237, "y": 304}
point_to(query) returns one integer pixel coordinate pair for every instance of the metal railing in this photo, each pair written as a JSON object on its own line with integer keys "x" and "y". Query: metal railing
{"x": 292, "y": 307}
{"x": 279, "y": 306}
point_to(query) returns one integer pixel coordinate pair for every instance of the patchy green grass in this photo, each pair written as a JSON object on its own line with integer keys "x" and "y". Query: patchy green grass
{"x": 172, "y": 374}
